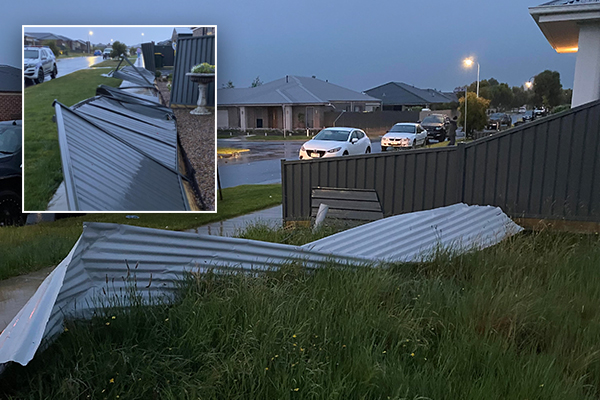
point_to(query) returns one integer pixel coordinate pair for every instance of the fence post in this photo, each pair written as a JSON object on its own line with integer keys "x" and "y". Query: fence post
{"x": 283, "y": 192}
{"x": 461, "y": 161}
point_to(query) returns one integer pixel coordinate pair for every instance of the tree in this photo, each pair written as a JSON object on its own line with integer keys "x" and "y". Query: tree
{"x": 501, "y": 96}
{"x": 256, "y": 82}
{"x": 547, "y": 89}
{"x": 118, "y": 48}
{"x": 476, "y": 112}
{"x": 520, "y": 96}
{"x": 53, "y": 46}
{"x": 132, "y": 51}
{"x": 228, "y": 85}
{"x": 567, "y": 96}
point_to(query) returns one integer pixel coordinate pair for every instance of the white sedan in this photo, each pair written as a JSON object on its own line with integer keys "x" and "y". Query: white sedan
{"x": 335, "y": 142}
{"x": 405, "y": 134}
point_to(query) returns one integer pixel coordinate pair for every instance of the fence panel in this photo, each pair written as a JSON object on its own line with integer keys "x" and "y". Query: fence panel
{"x": 545, "y": 169}
{"x": 191, "y": 51}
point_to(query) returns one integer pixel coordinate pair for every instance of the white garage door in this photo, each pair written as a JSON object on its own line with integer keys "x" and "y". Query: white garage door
{"x": 222, "y": 119}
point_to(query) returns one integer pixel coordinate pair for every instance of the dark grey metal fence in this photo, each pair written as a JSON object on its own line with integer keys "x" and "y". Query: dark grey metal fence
{"x": 148, "y": 54}
{"x": 168, "y": 53}
{"x": 377, "y": 122}
{"x": 545, "y": 169}
{"x": 191, "y": 51}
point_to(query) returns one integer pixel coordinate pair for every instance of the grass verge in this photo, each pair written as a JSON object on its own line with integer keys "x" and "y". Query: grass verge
{"x": 519, "y": 320}
{"x": 30, "y": 248}
{"x": 113, "y": 63}
{"x": 42, "y": 167}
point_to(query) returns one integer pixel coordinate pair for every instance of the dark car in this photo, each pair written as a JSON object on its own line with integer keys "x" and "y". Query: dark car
{"x": 496, "y": 120}
{"x": 436, "y": 126}
{"x": 10, "y": 173}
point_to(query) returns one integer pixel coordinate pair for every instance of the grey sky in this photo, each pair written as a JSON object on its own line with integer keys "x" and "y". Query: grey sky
{"x": 357, "y": 44}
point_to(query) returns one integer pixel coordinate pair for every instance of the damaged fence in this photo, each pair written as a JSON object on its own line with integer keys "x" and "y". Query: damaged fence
{"x": 119, "y": 151}
{"x": 106, "y": 255}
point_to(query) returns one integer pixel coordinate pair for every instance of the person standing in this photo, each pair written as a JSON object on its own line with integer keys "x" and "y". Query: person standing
{"x": 452, "y": 131}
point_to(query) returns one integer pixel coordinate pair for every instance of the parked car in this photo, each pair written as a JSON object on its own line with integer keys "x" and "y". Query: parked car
{"x": 335, "y": 142}
{"x": 540, "y": 112}
{"x": 97, "y": 52}
{"x": 39, "y": 61}
{"x": 436, "y": 126}
{"x": 10, "y": 173}
{"x": 404, "y": 135}
{"x": 107, "y": 52}
{"x": 496, "y": 120}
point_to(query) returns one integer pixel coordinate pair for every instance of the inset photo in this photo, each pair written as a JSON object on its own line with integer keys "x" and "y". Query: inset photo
{"x": 119, "y": 118}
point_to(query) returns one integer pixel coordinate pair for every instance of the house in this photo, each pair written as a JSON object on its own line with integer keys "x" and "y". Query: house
{"x": 10, "y": 92}
{"x": 573, "y": 26}
{"x": 292, "y": 102}
{"x": 399, "y": 96}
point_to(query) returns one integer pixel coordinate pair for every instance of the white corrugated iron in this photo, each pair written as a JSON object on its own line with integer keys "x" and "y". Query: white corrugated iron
{"x": 413, "y": 236}
{"x": 106, "y": 256}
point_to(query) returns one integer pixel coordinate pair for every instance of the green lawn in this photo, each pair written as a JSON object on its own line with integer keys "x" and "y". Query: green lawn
{"x": 520, "y": 320}
{"x": 42, "y": 167}
{"x": 29, "y": 248}
{"x": 113, "y": 63}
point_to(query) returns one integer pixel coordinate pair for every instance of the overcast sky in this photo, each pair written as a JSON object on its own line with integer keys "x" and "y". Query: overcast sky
{"x": 356, "y": 44}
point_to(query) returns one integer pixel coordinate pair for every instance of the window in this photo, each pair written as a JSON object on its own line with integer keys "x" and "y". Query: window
{"x": 259, "y": 123}
{"x": 354, "y": 135}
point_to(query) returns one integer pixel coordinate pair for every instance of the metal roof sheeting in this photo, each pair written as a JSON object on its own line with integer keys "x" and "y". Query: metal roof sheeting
{"x": 132, "y": 98}
{"x": 412, "y": 237}
{"x": 105, "y": 172}
{"x": 10, "y": 79}
{"x": 291, "y": 90}
{"x": 106, "y": 255}
{"x": 136, "y": 75}
{"x": 399, "y": 93}
{"x": 568, "y": 2}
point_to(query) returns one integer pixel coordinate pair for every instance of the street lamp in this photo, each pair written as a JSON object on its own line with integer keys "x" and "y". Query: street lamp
{"x": 465, "y": 127}
{"x": 90, "y": 33}
{"x": 529, "y": 83}
{"x": 468, "y": 63}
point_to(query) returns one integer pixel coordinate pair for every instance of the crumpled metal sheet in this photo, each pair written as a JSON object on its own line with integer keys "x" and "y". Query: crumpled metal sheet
{"x": 414, "y": 236}
{"x": 106, "y": 254}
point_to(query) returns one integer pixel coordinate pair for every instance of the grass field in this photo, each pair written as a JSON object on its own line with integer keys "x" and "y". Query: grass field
{"x": 29, "y": 248}
{"x": 42, "y": 167}
{"x": 519, "y": 320}
{"x": 113, "y": 63}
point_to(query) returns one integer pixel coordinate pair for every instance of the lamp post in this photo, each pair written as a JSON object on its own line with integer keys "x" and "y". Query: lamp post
{"x": 90, "y": 33}
{"x": 465, "y": 127}
{"x": 468, "y": 63}
{"x": 529, "y": 83}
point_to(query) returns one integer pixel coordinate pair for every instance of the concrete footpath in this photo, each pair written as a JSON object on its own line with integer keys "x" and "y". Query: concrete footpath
{"x": 15, "y": 292}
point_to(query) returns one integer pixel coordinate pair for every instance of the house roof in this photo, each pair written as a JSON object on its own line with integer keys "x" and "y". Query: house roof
{"x": 559, "y": 21}
{"x": 399, "y": 93}
{"x": 10, "y": 79}
{"x": 290, "y": 90}
{"x": 46, "y": 36}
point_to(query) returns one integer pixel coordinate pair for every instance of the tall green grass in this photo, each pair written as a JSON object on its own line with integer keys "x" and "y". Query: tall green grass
{"x": 515, "y": 321}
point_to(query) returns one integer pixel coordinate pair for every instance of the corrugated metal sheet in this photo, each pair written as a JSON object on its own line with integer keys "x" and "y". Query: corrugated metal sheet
{"x": 413, "y": 236}
{"x": 106, "y": 257}
{"x": 399, "y": 93}
{"x": 131, "y": 98}
{"x": 138, "y": 76}
{"x": 191, "y": 51}
{"x": 546, "y": 169}
{"x": 103, "y": 172}
{"x": 291, "y": 90}
{"x": 148, "y": 53}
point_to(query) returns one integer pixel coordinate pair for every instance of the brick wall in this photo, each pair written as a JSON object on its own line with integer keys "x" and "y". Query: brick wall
{"x": 10, "y": 106}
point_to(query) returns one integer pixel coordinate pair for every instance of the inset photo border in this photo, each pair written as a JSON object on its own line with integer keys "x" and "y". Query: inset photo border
{"x": 119, "y": 118}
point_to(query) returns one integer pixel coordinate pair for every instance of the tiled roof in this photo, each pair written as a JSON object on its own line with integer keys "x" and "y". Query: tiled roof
{"x": 398, "y": 93}
{"x": 10, "y": 79}
{"x": 291, "y": 90}
{"x": 568, "y": 2}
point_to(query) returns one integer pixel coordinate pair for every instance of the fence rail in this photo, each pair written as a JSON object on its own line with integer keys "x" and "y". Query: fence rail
{"x": 546, "y": 169}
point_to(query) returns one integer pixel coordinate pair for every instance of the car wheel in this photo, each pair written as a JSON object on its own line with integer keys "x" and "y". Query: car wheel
{"x": 10, "y": 209}
{"x": 41, "y": 76}
{"x": 345, "y": 153}
{"x": 54, "y": 73}
{"x": 414, "y": 145}
{"x": 368, "y": 150}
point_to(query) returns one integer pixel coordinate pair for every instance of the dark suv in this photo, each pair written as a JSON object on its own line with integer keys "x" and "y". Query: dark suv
{"x": 436, "y": 126}
{"x": 496, "y": 120}
{"x": 10, "y": 173}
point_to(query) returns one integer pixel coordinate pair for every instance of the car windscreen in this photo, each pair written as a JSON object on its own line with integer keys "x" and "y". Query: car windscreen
{"x": 10, "y": 139}
{"x": 403, "y": 128}
{"x": 333, "y": 135}
{"x": 433, "y": 119}
{"x": 31, "y": 53}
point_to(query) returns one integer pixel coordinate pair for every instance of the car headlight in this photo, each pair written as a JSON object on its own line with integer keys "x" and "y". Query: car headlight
{"x": 334, "y": 150}
{"x": 437, "y": 128}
